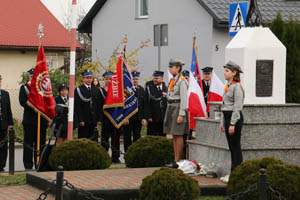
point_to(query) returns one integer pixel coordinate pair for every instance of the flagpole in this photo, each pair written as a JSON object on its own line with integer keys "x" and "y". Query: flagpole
{"x": 40, "y": 34}
{"x": 125, "y": 41}
{"x": 72, "y": 70}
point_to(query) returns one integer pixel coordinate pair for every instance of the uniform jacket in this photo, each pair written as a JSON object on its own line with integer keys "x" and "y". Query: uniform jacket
{"x": 140, "y": 93}
{"x": 5, "y": 114}
{"x": 205, "y": 91}
{"x": 29, "y": 116}
{"x": 64, "y": 117}
{"x": 155, "y": 102}
{"x": 87, "y": 112}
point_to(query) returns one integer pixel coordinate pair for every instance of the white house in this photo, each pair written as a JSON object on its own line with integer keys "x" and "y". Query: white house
{"x": 109, "y": 20}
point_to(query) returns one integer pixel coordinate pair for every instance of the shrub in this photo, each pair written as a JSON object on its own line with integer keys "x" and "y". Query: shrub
{"x": 281, "y": 176}
{"x": 149, "y": 151}
{"x": 81, "y": 154}
{"x": 169, "y": 184}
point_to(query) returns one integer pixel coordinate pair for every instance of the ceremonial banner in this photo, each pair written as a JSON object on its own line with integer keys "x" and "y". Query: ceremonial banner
{"x": 116, "y": 110}
{"x": 40, "y": 97}
{"x": 216, "y": 89}
{"x": 195, "y": 66}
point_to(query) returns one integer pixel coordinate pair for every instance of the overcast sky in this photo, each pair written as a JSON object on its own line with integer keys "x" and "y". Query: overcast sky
{"x": 61, "y": 8}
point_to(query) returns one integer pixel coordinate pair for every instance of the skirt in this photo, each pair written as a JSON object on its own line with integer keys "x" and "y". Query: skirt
{"x": 170, "y": 122}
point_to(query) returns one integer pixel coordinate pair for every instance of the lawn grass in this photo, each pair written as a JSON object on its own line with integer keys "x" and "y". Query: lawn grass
{"x": 211, "y": 198}
{"x": 17, "y": 179}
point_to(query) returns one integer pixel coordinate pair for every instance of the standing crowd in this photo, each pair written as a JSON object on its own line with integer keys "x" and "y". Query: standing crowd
{"x": 161, "y": 108}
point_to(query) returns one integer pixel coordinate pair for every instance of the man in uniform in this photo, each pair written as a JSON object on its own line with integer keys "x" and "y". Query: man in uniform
{"x": 186, "y": 75}
{"x": 207, "y": 73}
{"x": 6, "y": 123}
{"x": 155, "y": 104}
{"x": 61, "y": 106}
{"x": 108, "y": 129}
{"x": 135, "y": 122}
{"x": 30, "y": 127}
{"x": 87, "y": 107}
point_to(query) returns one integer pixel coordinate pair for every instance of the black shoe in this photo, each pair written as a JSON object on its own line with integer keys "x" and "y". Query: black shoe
{"x": 116, "y": 161}
{"x": 172, "y": 165}
{"x": 2, "y": 170}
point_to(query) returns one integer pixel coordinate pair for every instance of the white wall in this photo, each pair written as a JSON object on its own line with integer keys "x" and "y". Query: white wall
{"x": 220, "y": 40}
{"x": 184, "y": 18}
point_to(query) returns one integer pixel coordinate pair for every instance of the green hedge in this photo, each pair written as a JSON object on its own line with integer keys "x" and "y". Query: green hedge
{"x": 282, "y": 177}
{"x": 169, "y": 184}
{"x": 79, "y": 154}
{"x": 149, "y": 151}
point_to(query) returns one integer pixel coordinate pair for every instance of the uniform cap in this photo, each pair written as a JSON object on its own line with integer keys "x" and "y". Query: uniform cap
{"x": 30, "y": 72}
{"x": 108, "y": 74}
{"x": 175, "y": 62}
{"x": 135, "y": 74}
{"x": 87, "y": 73}
{"x": 186, "y": 73}
{"x": 207, "y": 69}
{"x": 233, "y": 66}
{"x": 61, "y": 87}
{"x": 158, "y": 74}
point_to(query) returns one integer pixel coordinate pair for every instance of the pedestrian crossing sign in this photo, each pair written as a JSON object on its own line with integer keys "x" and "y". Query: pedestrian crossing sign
{"x": 237, "y": 17}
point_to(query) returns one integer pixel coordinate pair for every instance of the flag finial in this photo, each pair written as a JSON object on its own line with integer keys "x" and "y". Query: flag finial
{"x": 125, "y": 41}
{"x": 41, "y": 31}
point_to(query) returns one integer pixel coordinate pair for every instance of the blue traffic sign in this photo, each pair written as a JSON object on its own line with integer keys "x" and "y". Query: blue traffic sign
{"x": 237, "y": 17}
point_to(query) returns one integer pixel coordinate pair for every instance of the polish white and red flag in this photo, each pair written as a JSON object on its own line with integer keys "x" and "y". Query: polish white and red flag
{"x": 216, "y": 89}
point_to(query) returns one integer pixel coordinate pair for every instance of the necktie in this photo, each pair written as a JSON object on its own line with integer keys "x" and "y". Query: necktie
{"x": 65, "y": 100}
{"x": 172, "y": 84}
{"x": 89, "y": 89}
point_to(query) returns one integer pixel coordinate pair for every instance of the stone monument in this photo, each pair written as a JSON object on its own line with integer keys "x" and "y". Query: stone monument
{"x": 271, "y": 127}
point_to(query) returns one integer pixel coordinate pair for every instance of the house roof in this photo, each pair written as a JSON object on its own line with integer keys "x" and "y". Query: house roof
{"x": 86, "y": 24}
{"x": 19, "y": 23}
{"x": 219, "y": 9}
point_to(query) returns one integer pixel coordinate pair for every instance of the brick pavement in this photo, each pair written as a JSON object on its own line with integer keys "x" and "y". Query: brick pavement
{"x": 116, "y": 178}
{"x": 21, "y": 192}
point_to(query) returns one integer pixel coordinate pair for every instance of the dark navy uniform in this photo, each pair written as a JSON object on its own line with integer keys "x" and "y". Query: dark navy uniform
{"x": 108, "y": 129}
{"x": 5, "y": 121}
{"x": 62, "y": 115}
{"x": 30, "y": 127}
{"x": 135, "y": 122}
{"x": 155, "y": 107}
{"x": 87, "y": 110}
{"x": 206, "y": 84}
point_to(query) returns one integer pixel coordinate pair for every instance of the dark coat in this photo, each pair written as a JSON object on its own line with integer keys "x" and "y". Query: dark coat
{"x": 5, "y": 114}
{"x": 62, "y": 115}
{"x": 140, "y": 93}
{"x": 87, "y": 112}
{"x": 29, "y": 116}
{"x": 205, "y": 91}
{"x": 155, "y": 102}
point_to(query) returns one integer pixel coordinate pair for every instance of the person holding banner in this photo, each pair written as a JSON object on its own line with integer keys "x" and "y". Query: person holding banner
{"x": 135, "y": 122}
{"x": 29, "y": 122}
{"x": 155, "y": 104}
{"x": 87, "y": 107}
{"x": 176, "y": 119}
{"x": 108, "y": 129}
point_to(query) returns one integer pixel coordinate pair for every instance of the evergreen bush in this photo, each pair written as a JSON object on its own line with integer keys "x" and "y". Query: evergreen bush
{"x": 149, "y": 151}
{"x": 79, "y": 154}
{"x": 282, "y": 177}
{"x": 169, "y": 184}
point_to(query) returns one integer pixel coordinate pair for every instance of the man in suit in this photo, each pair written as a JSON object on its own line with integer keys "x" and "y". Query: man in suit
{"x": 87, "y": 107}
{"x": 135, "y": 122}
{"x": 108, "y": 129}
{"x": 207, "y": 74}
{"x": 155, "y": 104}
{"x": 29, "y": 122}
{"x": 61, "y": 106}
{"x": 6, "y": 123}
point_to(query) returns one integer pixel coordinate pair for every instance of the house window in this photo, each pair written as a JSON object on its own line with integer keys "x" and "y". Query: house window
{"x": 142, "y": 8}
{"x": 160, "y": 34}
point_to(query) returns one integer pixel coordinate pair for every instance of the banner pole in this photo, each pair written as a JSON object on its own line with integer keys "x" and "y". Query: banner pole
{"x": 38, "y": 139}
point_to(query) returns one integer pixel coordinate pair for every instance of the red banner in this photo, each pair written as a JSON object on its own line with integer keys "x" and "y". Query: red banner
{"x": 115, "y": 93}
{"x": 40, "y": 97}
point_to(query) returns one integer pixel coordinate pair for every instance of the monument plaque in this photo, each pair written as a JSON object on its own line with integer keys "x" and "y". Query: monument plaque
{"x": 264, "y": 78}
